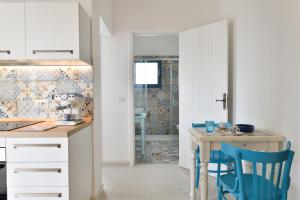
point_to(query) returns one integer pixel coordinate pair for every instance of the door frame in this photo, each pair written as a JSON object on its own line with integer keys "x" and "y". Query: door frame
{"x": 131, "y": 122}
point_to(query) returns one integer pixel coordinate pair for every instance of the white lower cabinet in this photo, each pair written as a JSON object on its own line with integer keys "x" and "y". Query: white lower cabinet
{"x": 37, "y": 149}
{"x": 37, "y": 174}
{"x": 50, "y": 168}
{"x": 37, "y": 193}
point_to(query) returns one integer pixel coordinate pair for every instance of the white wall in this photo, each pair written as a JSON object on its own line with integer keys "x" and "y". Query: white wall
{"x": 158, "y": 45}
{"x": 100, "y": 8}
{"x": 266, "y": 85}
{"x": 132, "y": 15}
{"x": 265, "y": 69}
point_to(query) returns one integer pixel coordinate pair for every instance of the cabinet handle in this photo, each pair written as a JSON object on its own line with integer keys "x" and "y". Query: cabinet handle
{"x": 24, "y": 170}
{"x": 37, "y": 145}
{"x": 52, "y": 51}
{"x": 5, "y": 51}
{"x": 17, "y": 195}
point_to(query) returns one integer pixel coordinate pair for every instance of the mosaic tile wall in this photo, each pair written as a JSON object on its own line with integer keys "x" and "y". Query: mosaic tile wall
{"x": 27, "y": 91}
{"x": 161, "y": 104}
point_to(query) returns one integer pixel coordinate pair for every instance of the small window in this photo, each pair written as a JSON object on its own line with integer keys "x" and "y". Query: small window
{"x": 148, "y": 74}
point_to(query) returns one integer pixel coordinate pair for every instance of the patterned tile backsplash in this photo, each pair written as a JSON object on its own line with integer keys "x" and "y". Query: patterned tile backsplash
{"x": 27, "y": 91}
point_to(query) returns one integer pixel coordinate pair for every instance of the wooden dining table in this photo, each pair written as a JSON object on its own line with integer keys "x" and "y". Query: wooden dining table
{"x": 260, "y": 140}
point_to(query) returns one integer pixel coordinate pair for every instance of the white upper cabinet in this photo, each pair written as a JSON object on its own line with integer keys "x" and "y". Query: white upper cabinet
{"x": 52, "y": 30}
{"x": 12, "y": 31}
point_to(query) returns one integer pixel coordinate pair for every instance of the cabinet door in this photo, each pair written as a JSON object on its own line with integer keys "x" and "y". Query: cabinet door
{"x": 37, "y": 149}
{"x": 12, "y": 31}
{"x": 52, "y": 30}
{"x": 41, "y": 174}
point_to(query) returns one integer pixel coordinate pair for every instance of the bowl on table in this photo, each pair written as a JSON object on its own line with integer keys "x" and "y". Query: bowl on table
{"x": 246, "y": 128}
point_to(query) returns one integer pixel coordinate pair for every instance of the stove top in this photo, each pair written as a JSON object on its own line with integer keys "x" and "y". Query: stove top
{"x": 7, "y": 126}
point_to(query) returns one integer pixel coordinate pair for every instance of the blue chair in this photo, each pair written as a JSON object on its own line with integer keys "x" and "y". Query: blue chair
{"x": 255, "y": 185}
{"x": 216, "y": 157}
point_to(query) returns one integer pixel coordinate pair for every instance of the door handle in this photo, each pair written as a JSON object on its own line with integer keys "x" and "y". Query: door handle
{"x": 224, "y": 101}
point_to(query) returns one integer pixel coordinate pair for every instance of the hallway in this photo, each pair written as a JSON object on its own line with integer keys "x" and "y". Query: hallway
{"x": 148, "y": 182}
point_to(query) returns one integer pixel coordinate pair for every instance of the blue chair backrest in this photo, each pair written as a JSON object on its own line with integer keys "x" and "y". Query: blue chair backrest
{"x": 265, "y": 167}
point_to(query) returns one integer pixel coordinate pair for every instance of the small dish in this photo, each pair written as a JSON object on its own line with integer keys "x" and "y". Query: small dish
{"x": 238, "y": 133}
{"x": 247, "y": 128}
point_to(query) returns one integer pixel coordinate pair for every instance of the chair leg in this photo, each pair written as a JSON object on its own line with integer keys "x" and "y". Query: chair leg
{"x": 197, "y": 176}
{"x": 197, "y": 168}
{"x": 218, "y": 173}
{"x": 220, "y": 192}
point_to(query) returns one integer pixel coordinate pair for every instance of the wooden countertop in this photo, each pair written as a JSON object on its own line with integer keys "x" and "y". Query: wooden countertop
{"x": 59, "y": 131}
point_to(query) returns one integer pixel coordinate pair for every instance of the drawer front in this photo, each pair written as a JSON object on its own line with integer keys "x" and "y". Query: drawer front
{"x": 37, "y": 193}
{"x": 37, "y": 174}
{"x": 37, "y": 149}
{"x": 2, "y": 142}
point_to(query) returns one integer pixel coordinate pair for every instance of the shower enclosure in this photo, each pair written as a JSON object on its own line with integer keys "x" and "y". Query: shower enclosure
{"x": 157, "y": 110}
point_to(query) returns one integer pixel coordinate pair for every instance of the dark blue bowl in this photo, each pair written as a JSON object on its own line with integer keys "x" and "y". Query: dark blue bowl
{"x": 246, "y": 128}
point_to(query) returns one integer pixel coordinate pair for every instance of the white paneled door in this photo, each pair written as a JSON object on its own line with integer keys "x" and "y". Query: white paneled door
{"x": 203, "y": 79}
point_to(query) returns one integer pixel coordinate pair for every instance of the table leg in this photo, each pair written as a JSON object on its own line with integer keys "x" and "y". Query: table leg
{"x": 192, "y": 174}
{"x": 204, "y": 180}
{"x": 274, "y": 147}
{"x": 204, "y": 159}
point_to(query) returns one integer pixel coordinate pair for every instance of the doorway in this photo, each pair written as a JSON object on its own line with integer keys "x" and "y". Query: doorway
{"x": 156, "y": 98}
{"x": 203, "y": 79}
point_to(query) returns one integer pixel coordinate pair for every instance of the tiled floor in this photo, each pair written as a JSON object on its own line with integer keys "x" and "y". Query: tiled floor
{"x": 149, "y": 182}
{"x": 164, "y": 151}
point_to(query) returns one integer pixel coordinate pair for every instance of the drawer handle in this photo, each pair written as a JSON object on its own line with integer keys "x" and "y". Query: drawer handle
{"x": 37, "y": 145}
{"x": 17, "y": 195}
{"x": 24, "y": 170}
{"x": 5, "y": 51}
{"x": 52, "y": 51}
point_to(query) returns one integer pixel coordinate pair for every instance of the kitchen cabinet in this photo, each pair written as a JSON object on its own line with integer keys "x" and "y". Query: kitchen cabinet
{"x": 35, "y": 30}
{"x": 44, "y": 174}
{"x": 54, "y": 164}
{"x": 52, "y": 30}
{"x": 35, "y": 149}
{"x": 12, "y": 31}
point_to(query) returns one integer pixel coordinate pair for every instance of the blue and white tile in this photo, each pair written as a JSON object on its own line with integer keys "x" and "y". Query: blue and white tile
{"x": 8, "y": 73}
{"x": 26, "y": 73}
{"x": 41, "y": 108}
{"x": 85, "y": 88}
{"x": 26, "y": 90}
{"x": 47, "y": 74}
{"x": 25, "y": 108}
{"x": 69, "y": 73}
{"x": 86, "y": 74}
{"x": 8, "y": 109}
{"x": 45, "y": 89}
{"x": 8, "y": 90}
{"x": 53, "y": 112}
{"x": 67, "y": 86}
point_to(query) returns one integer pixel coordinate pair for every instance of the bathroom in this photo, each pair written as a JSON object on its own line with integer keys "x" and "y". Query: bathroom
{"x": 156, "y": 98}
